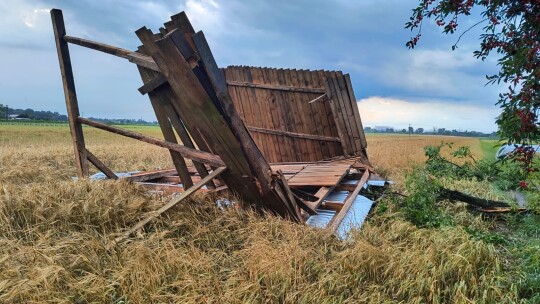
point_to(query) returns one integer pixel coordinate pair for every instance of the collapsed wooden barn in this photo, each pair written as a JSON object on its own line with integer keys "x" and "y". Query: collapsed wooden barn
{"x": 287, "y": 141}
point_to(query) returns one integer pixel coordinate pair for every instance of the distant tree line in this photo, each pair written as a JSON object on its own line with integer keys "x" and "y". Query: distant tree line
{"x": 434, "y": 131}
{"x": 55, "y": 116}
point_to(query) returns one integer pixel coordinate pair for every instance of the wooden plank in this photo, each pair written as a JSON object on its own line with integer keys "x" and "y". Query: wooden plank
{"x": 301, "y": 124}
{"x": 267, "y": 121}
{"x": 182, "y": 132}
{"x": 252, "y": 153}
{"x": 250, "y": 108}
{"x": 342, "y": 114}
{"x": 100, "y": 165}
{"x": 330, "y": 128}
{"x": 168, "y": 135}
{"x": 356, "y": 112}
{"x": 275, "y": 87}
{"x": 170, "y": 204}
{"x": 296, "y": 147}
{"x": 346, "y": 187}
{"x": 70, "y": 93}
{"x": 338, "y": 218}
{"x": 139, "y": 59}
{"x": 193, "y": 154}
{"x": 157, "y": 100}
{"x": 274, "y": 101}
{"x": 153, "y": 84}
{"x": 292, "y": 197}
{"x": 322, "y": 193}
{"x": 336, "y": 206}
{"x": 192, "y": 98}
{"x": 349, "y": 117}
{"x": 310, "y": 117}
{"x": 293, "y": 134}
{"x": 320, "y": 175}
{"x": 150, "y": 175}
{"x": 259, "y": 112}
{"x": 336, "y": 114}
{"x": 318, "y": 109}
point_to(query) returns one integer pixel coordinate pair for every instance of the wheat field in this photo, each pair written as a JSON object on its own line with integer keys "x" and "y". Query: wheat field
{"x": 55, "y": 236}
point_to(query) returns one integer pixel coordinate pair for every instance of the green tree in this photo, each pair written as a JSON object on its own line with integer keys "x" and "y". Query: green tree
{"x": 511, "y": 28}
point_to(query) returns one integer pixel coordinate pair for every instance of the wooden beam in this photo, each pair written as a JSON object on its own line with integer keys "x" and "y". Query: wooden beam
{"x": 275, "y": 87}
{"x": 203, "y": 157}
{"x": 149, "y": 175}
{"x": 321, "y": 194}
{"x": 292, "y": 197}
{"x": 355, "y": 110}
{"x": 182, "y": 132}
{"x": 153, "y": 84}
{"x": 139, "y": 59}
{"x": 338, "y": 218}
{"x": 171, "y": 204}
{"x": 167, "y": 100}
{"x": 158, "y": 100}
{"x": 346, "y": 187}
{"x": 218, "y": 83}
{"x": 334, "y": 106}
{"x": 336, "y": 206}
{"x": 70, "y": 94}
{"x": 293, "y": 134}
{"x": 101, "y": 166}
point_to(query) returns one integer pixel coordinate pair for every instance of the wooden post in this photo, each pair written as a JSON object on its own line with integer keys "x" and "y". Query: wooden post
{"x": 69, "y": 93}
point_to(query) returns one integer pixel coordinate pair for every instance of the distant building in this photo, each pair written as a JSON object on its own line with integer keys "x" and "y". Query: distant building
{"x": 17, "y": 117}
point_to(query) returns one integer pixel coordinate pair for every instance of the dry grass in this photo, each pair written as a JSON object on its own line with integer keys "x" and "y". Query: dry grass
{"x": 54, "y": 234}
{"x": 395, "y": 152}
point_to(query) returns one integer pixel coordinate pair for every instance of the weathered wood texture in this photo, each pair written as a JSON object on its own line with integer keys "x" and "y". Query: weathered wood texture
{"x": 189, "y": 153}
{"x": 69, "y": 92}
{"x": 171, "y": 204}
{"x": 202, "y": 99}
{"x": 289, "y": 119}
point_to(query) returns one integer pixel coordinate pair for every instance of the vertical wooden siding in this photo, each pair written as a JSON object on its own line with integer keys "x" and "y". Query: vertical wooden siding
{"x": 290, "y": 110}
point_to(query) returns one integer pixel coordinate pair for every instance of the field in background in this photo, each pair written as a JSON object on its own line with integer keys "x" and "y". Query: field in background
{"x": 389, "y": 152}
{"x": 55, "y": 235}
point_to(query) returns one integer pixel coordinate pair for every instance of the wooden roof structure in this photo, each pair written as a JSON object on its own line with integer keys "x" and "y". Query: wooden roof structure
{"x": 281, "y": 139}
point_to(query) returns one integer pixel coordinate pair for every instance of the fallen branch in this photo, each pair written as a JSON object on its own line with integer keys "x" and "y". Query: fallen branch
{"x": 469, "y": 199}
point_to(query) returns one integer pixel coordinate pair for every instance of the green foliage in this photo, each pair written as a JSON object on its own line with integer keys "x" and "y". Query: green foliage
{"x": 486, "y": 236}
{"x": 420, "y": 205}
{"x": 525, "y": 250}
{"x": 510, "y": 30}
{"x": 505, "y": 175}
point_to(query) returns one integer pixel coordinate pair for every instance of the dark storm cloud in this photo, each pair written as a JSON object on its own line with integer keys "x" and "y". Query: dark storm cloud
{"x": 364, "y": 38}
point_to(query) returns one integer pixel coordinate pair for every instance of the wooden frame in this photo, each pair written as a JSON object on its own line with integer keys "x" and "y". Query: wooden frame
{"x": 232, "y": 123}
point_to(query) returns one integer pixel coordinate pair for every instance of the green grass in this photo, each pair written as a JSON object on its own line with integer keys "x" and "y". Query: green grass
{"x": 489, "y": 147}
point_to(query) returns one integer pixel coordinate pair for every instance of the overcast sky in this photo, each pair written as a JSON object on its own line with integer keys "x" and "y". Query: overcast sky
{"x": 428, "y": 87}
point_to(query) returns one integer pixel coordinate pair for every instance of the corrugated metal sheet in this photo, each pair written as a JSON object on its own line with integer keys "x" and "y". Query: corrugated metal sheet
{"x": 322, "y": 219}
{"x": 377, "y": 183}
{"x": 356, "y": 216}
